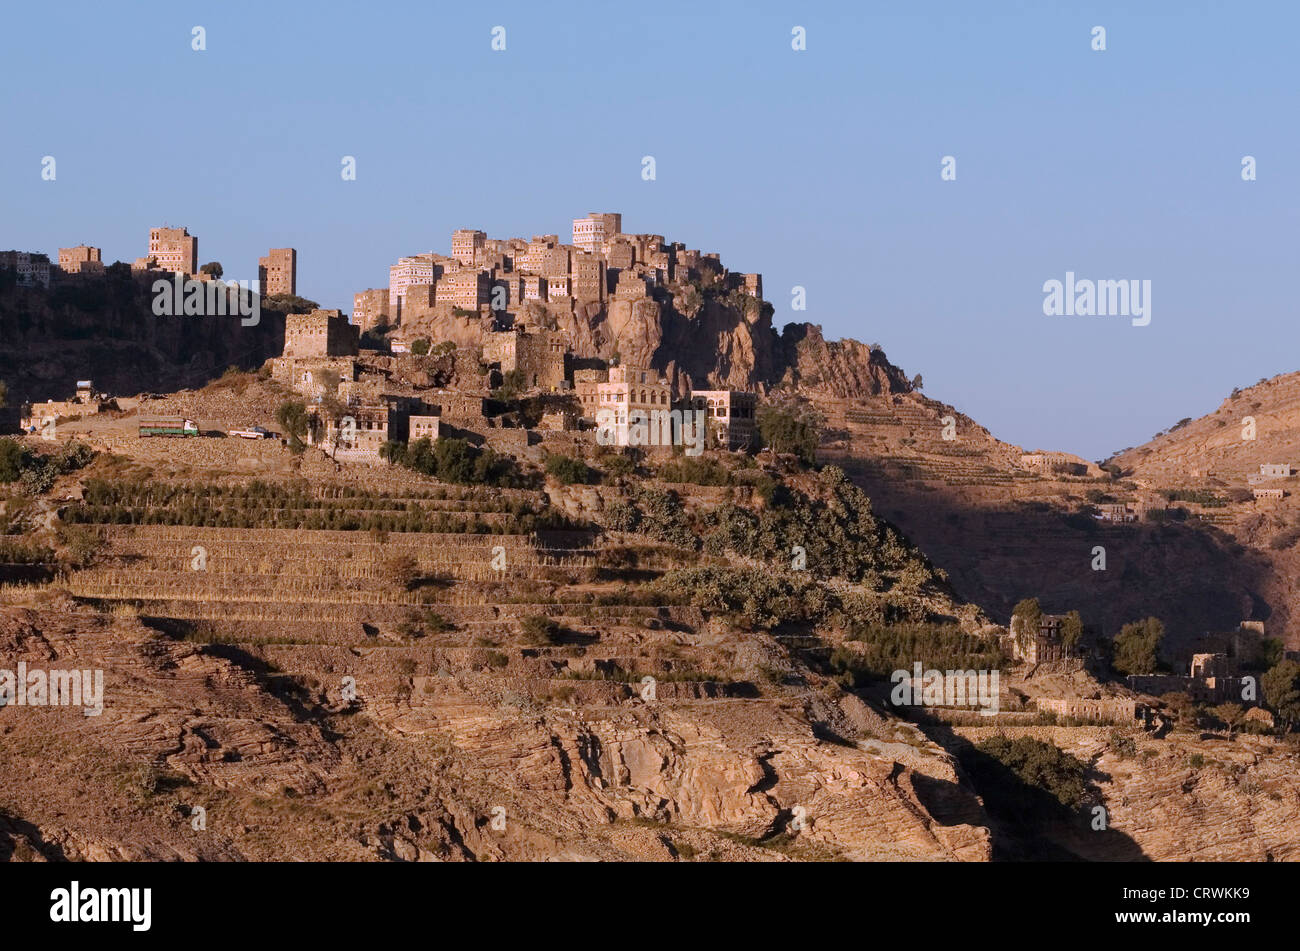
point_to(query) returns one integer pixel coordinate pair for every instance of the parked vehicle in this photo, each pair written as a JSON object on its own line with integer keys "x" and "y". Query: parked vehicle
{"x": 252, "y": 432}
{"x": 167, "y": 426}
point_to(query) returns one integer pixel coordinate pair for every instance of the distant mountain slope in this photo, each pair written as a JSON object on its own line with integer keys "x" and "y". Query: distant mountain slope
{"x": 1214, "y": 448}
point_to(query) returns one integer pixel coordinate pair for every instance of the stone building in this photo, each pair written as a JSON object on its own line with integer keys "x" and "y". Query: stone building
{"x": 315, "y": 377}
{"x": 174, "y": 249}
{"x": 419, "y": 300}
{"x": 558, "y": 286}
{"x": 468, "y": 289}
{"x": 80, "y": 261}
{"x": 31, "y": 267}
{"x": 540, "y": 356}
{"x": 554, "y": 262}
{"x": 33, "y": 417}
{"x": 1275, "y": 470}
{"x": 632, "y": 286}
{"x": 277, "y": 273}
{"x": 1116, "y": 512}
{"x": 358, "y": 433}
{"x": 413, "y": 269}
{"x": 467, "y": 246}
{"x": 627, "y": 391}
{"x": 621, "y": 254}
{"x": 588, "y": 277}
{"x": 731, "y": 416}
{"x": 592, "y": 232}
{"x": 1212, "y": 679}
{"x": 534, "y": 287}
{"x": 423, "y": 427}
{"x": 370, "y": 309}
{"x": 1104, "y": 709}
{"x": 1269, "y": 495}
{"x": 1045, "y": 647}
{"x": 322, "y": 333}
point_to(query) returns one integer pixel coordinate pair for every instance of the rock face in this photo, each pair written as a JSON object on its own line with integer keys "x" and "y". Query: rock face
{"x": 107, "y": 331}
{"x": 285, "y": 773}
{"x": 719, "y": 345}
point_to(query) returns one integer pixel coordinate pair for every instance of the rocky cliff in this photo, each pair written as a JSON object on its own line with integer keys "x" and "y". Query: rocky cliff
{"x": 106, "y": 331}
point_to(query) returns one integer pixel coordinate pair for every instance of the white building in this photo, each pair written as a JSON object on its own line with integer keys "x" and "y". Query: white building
{"x": 415, "y": 269}
{"x": 594, "y": 231}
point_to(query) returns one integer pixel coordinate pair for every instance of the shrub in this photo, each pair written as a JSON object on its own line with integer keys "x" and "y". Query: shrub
{"x": 567, "y": 470}
{"x": 1042, "y": 767}
{"x": 620, "y": 516}
{"x": 12, "y": 459}
{"x": 759, "y": 598}
{"x": 539, "y": 630}
{"x": 695, "y": 470}
{"x": 402, "y": 570}
{"x": 886, "y": 647}
{"x": 455, "y": 460}
{"x": 617, "y": 464}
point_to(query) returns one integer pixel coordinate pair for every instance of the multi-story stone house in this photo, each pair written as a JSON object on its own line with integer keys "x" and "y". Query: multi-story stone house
{"x": 370, "y": 308}
{"x": 540, "y": 356}
{"x": 322, "y": 333}
{"x": 80, "y": 261}
{"x": 31, "y": 267}
{"x": 467, "y": 246}
{"x": 625, "y": 393}
{"x": 592, "y": 232}
{"x": 277, "y": 273}
{"x": 731, "y": 416}
{"x": 174, "y": 249}
{"x": 414, "y": 269}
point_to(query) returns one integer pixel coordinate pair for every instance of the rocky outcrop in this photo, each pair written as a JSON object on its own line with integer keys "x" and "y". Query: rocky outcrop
{"x": 106, "y": 331}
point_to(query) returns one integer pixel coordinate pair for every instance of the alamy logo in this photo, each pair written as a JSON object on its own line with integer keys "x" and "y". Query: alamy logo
{"x": 75, "y": 904}
{"x": 658, "y": 427}
{"x": 215, "y": 298}
{"x": 1098, "y": 299}
{"x": 946, "y": 688}
{"x": 53, "y": 688}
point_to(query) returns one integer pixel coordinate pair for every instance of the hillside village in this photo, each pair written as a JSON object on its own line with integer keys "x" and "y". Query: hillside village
{"x": 477, "y": 501}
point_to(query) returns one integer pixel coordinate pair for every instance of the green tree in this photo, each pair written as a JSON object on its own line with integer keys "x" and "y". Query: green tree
{"x": 13, "y": 458}
{"x": 1232, "y": 716}
{"x": 512, "y": 384}
{"x": 1026, "y": 618}
{"x": 1281, "y": 685}
{"x": 1181, "y": 708}
{"x": 293, "y": 417}
{"x": 787, "y": 432}
{"x": 213, "y": 268}
{"x": 1042, "y": 767}
{"x": 420, "y": 346}
{"x": 1071, "y": 630}
{"x": 1137, "y": 646}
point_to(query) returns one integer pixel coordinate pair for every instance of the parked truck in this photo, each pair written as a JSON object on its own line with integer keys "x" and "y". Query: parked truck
{"x": 167, "y": 426}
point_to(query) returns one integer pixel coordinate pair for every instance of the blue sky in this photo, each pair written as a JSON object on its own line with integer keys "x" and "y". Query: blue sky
{"x": 817, "y": 168}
